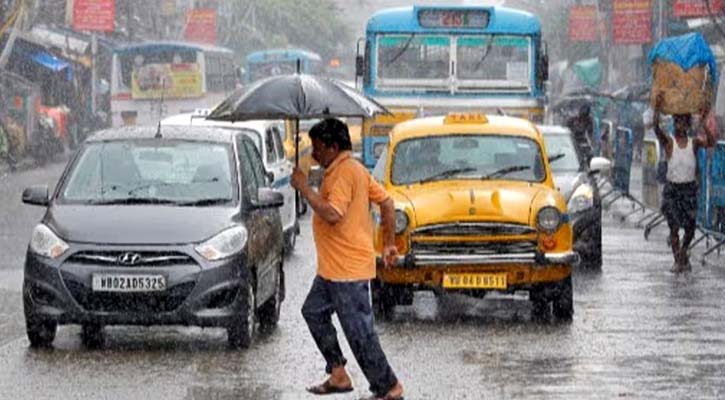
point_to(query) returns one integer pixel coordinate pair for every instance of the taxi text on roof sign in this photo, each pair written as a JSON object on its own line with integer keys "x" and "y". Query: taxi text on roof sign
{"x": 465, "y": 118}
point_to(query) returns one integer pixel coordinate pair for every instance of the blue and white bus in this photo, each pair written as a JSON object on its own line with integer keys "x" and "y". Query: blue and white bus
{"x": 431, "y": 60}
{"x": 266, "y": 63}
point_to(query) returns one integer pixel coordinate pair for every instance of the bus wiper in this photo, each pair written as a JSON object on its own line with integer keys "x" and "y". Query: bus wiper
{"x": 204, "y": 202}
{"x": 556, "y": 157}
{"x": 447, "y": 174}
{"x": 130, "y": 200}
{"x": 485, "y": 53}
{"x": 403, "y": 50}
{"x": 505, "y": 171}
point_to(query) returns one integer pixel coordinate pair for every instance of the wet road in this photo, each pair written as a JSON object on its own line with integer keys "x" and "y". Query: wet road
{"x": 638, "y": 332}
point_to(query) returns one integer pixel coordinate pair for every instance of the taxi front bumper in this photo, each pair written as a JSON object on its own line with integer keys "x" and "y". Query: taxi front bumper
{"x": 412, "y": 261}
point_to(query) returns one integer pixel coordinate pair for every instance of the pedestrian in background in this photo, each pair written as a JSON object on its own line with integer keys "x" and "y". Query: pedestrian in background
{"x": 679, "y": 195}
{"x": 342, "y": 229}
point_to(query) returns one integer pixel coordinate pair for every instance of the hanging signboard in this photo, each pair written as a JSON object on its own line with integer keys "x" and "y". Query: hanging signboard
{"x": 168, "y": 81}
{"x": 94, "y": 15}
{"x": 696, "y": 8}
{"x": 583, "y": 24}
{"x": 632, "y": 21}
{"x": 201, "y": 26}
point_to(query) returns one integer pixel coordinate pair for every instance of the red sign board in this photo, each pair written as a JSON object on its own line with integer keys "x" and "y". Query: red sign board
{"x": 94, "y": 15}
{"x": 201, "y": 26}
{"x": 696, "y": 8}
{"x": 583, "y": 24}
{"x": 632, "y": 21}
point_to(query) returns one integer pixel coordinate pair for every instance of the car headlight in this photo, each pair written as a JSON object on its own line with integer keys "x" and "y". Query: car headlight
{"x": 401, "y": 221}
{"x": 581, "y": 199}
{"x": 47, "y": 244}
{"x": 548, "y": 219}
{"x": 224, "y": 244}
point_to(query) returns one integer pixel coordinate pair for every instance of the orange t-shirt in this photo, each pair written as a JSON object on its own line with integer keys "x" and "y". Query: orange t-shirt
{"x": 345, "y": 250}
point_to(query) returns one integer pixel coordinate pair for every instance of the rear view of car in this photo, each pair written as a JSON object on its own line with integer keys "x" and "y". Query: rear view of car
{"x": 147, "y": 230}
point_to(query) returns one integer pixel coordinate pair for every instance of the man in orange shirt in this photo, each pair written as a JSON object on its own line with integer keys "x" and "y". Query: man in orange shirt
{"x": 343, "y": 234}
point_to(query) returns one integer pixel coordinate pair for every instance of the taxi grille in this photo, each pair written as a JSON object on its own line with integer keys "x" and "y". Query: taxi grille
{"x": 479, "y": 248}
{"x": 474, "y": 229}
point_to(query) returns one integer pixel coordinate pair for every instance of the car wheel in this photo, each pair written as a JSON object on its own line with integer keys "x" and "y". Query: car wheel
{"x": 40, "y": 333}
{"x": 384, "y": 300}
{"x": 270, "y": 311}
{"x": 290, "y": 241}
{"x": 92, "y": 335}
{"x": 563, "y": 304}
{"x": 539, "y": 304}
{"x": 595, "y": 257}
{"x": 241, "y": 332}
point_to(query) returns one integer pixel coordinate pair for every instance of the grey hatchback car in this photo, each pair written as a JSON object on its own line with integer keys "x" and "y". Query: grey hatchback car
{"x": 156, "y": 226}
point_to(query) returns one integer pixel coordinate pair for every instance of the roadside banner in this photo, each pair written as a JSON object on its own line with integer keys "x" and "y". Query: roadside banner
{"x": 696, "y": 8}
{"x": 583, "y": 24}
{"x": 94, "y": 15}
{"x": 632, "y": 21}
{"x": 169, "y": 81}
{"x": 201, "y": 26}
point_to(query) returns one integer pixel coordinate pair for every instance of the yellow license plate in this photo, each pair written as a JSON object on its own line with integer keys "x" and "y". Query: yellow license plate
{"x": 474, "y": 281}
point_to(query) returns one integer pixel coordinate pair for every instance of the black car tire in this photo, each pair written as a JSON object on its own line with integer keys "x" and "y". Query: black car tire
{"x": 240, "y": 333}
{"x": 563, "y": 303}
{"x": 595, "y": 257}
{"x": 269, "y": 312}
{"x": 290, "y": 241}
{"x": 92, "y": 335}
{"x": 539, "y": 303}
{"x": 386, "y": 297}
{"x": 40, "y": 333}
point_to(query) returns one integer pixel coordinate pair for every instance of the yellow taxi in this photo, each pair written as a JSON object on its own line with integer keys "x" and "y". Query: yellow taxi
{"x": 476, "y": 211}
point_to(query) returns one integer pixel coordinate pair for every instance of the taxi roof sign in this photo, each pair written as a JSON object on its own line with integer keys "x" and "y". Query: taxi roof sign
{"x": 465, "y": 118}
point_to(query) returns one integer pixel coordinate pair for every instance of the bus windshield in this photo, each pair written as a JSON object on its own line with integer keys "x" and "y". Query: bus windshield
{"x": 480, "y": 61}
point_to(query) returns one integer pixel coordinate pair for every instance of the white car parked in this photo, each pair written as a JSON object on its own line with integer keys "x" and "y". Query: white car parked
{"x": 269, "y": 138}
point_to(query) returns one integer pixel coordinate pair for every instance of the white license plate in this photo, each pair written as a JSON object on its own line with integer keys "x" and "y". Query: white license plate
{"x": 128, "y": 283}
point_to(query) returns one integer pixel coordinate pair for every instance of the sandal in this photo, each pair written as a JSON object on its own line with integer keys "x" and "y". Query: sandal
{"x": 385, "y": 397}
{"x": 328, "y": 388}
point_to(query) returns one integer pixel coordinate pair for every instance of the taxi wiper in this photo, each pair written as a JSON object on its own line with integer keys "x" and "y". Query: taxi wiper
{"x": 130, "y": 200}
{"x": 505, "y": 171}
{"x": 447, "y": 174}
{"x": 204, "y": 202}
{"x": 556, "y": 157}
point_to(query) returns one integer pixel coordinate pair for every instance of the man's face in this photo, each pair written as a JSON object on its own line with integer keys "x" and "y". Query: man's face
{"x": 324, "y": 155}
{"x": 681, "y": 123}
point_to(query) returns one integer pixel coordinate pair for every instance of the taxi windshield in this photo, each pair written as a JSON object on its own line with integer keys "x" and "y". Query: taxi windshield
{"x": 466, "y": 156}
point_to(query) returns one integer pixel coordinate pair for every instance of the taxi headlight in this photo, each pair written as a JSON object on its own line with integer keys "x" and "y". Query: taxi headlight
{"x": 401, "y": 221}
{"x": 224, "y": 244}
{"x": 582, "y": 199}
{"x": 548, "y": 219}
{"x": 44, "y": 242}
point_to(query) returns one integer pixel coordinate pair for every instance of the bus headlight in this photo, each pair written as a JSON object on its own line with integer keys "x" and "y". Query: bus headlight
{"x": 548, "y": 219}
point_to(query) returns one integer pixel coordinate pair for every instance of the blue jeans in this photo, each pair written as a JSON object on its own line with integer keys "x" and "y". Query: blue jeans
{"x": 351, "y": 302}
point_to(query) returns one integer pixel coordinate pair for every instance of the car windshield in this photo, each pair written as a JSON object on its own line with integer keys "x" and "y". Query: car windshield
{"x": 489, "y": 156}
{"x": 562, "y": 148}
{"x": 153, "y": 172}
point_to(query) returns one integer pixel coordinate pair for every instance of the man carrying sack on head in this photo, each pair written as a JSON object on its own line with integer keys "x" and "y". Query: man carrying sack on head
{"x": 343, "y": 235}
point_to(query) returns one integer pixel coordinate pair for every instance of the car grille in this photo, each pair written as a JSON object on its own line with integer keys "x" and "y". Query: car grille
{"x": 133, "y": 259}
{"x": 168, "y": 300}
{"x": 474, "y": 229}
{"x": 451, "y": 247}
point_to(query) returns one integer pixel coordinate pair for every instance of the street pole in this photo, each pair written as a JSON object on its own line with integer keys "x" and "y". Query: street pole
{"x": 94, "y": 79}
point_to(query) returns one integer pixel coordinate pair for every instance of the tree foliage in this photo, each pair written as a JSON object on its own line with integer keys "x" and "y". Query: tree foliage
{"x": 311, "y": 24}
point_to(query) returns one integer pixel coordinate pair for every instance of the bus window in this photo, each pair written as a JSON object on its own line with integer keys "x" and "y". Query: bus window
{"x": 494, "y": 58}
{"x": 408, "y": 57}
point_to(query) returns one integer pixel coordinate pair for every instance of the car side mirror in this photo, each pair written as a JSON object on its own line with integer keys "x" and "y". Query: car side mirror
{"x": 599, "y": 164}
{"x": 37, "y": 195}
{"x": 268, "y": 198}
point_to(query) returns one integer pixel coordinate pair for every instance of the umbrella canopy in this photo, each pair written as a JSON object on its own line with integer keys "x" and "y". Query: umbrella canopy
{"x": 296, "y": 96}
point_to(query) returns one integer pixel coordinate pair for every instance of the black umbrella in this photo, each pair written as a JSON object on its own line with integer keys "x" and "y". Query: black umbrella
{"x": 297, "y": 96}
